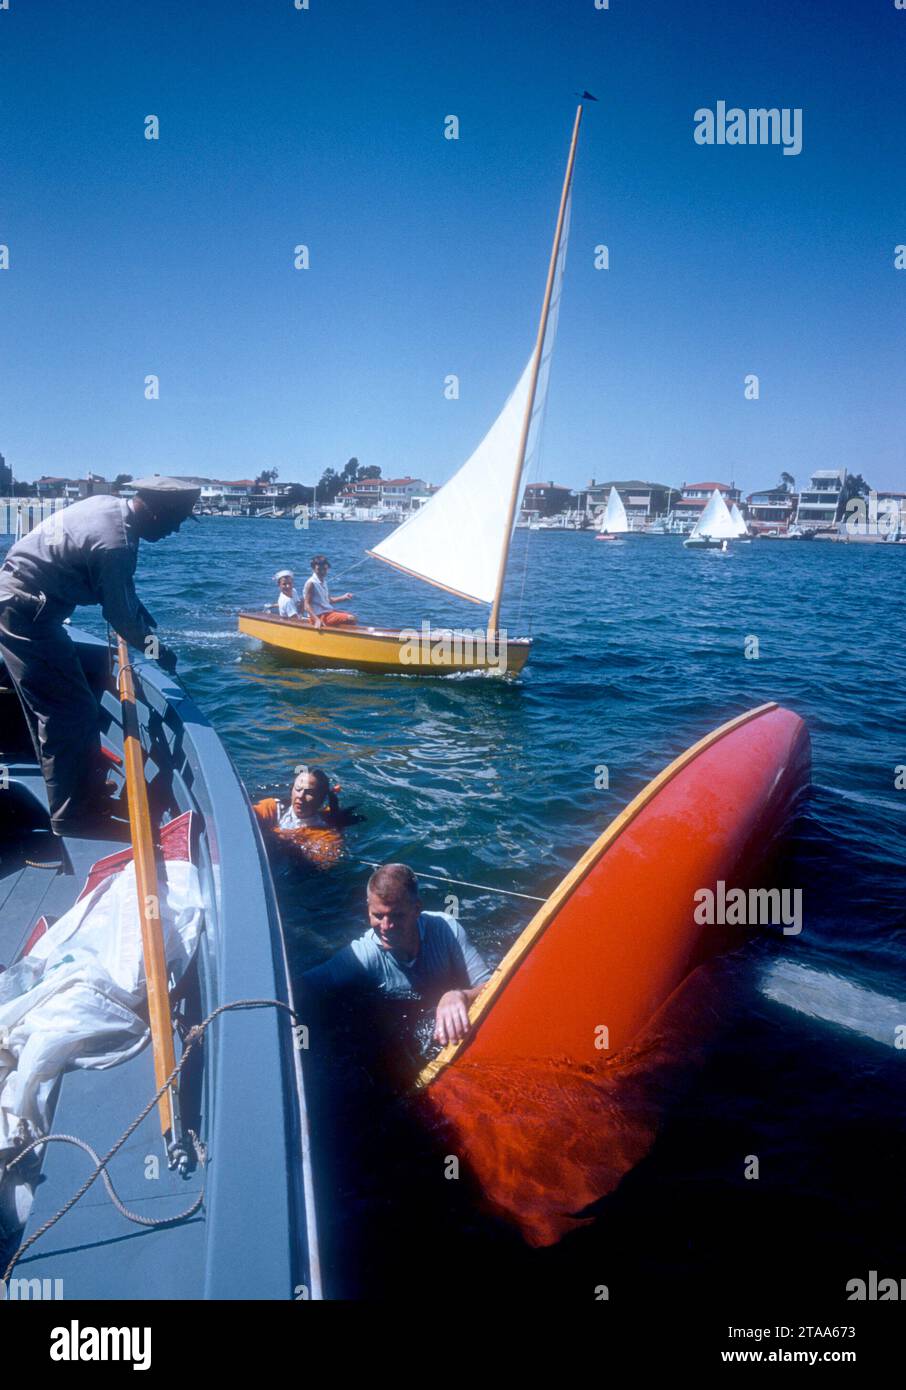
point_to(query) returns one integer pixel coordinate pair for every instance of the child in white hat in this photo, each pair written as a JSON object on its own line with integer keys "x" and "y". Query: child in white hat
{"x": 288, "y": 602}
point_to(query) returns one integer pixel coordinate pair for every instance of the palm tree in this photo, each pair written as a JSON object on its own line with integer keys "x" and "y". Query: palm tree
{"x": 854, "y": 485}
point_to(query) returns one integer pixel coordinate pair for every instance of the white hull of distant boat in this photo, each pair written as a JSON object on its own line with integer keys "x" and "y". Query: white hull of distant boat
{"x": 705, "y": 543}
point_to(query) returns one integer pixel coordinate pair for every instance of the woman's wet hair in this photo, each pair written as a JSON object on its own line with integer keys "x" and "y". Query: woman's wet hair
{"x": 322, "y": 782}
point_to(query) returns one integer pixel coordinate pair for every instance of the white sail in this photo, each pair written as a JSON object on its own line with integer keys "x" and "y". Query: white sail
{"x": 615, "y": 520}
{"x": 715, "y": 522}
{"x": 738, "y": 521}
{"x": 456, "y": 540}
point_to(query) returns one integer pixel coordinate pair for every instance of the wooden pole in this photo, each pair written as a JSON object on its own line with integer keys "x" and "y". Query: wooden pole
{"x": 494, "y": 620}
{"x": 148, "y": 898}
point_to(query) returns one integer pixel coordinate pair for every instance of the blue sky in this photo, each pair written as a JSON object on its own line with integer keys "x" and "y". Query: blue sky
{"x": 130, "y": 257}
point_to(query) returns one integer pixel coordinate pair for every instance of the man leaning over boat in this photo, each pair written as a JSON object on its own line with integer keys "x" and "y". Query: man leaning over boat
{"x": 85, "y": 554}
{"x": 408, "y": 953}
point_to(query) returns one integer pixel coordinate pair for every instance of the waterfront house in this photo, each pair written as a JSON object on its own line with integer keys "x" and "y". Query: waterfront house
{"x": 694, "y": 497}
{"x": 819, "y": 503}
{"x": 239, "y": 491}
{"x": 371, "y": 498}
{"x": 234, "y": 496}
{"x": 643, "y": 501}
{"x": 546, "y": 499}
{"x": 772, "y": 509}
{"x": 366, "y": 492}
{"x": 49, "y": 487}
{"x": 71, "y": 489}
{"x": 399, "y": 492}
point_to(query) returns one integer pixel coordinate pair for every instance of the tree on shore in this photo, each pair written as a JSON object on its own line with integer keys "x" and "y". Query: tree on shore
{"x": 297, "y": 495}
{"x": 331, "y": 482}
{"x": 854, "y": 486}
{"x": 119, "y": 480}
{"x": 329, "y": 485}
{"x": 787, "y": 483}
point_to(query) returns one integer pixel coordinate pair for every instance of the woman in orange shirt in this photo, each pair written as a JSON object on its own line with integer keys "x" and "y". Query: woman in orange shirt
{"x": 311, "y": 820}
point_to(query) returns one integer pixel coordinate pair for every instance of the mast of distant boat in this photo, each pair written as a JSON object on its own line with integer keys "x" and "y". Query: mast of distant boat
{"x": 494, "y": 620}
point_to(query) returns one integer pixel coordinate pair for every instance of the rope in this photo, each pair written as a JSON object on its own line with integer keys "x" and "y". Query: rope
{"x": 461, "y": 882}
{"x": 101, "y": 1171}
{"x": 193, "y": 1036}
{"x": 343, "y": 573}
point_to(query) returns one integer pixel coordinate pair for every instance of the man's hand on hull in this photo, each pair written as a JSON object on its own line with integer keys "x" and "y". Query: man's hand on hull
{"x": 451, "y": 1022}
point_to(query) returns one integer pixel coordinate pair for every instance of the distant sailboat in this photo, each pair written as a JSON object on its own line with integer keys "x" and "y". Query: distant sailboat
{"x": 714, "y": 528}
{"x": 736, "y": 516}
{"x": 459, "y": 541}
{"x": 615, "y": 522}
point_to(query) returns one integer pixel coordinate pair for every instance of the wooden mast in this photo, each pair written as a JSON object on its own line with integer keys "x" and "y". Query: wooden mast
{"x": 148, "y": 901}
{"x": 494, "y": 620}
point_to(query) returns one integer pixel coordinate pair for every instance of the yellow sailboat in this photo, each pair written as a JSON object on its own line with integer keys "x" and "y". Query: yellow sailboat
{"x": 460, "y": 540}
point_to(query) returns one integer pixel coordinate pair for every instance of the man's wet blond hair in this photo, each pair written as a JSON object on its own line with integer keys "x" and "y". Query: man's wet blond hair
{"x": 398, "y": 877}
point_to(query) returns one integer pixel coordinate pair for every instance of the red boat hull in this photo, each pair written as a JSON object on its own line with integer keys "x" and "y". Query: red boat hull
{"x": 609, "y": 947}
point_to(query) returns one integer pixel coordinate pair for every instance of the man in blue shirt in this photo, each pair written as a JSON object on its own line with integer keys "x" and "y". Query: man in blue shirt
{"x": 408, "y": 953}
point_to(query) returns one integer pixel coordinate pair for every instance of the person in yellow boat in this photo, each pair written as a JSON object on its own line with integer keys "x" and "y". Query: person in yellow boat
{"x": 408, "y": 953}
{"x": 289, "y": 604}
{"x": 319, "y": 606}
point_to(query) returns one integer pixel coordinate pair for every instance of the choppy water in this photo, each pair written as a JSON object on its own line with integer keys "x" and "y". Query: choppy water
{"x": 640, "y": 649}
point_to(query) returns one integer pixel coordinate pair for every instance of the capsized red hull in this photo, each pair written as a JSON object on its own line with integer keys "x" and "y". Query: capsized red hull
{"x": 528, "y": 1097}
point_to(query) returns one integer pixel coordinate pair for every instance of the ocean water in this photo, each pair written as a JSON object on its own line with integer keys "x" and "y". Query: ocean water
{"x": 640, "y": 649}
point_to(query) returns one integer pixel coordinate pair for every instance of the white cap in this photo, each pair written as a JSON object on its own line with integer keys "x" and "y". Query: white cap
{"x": 283, "y": 574}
